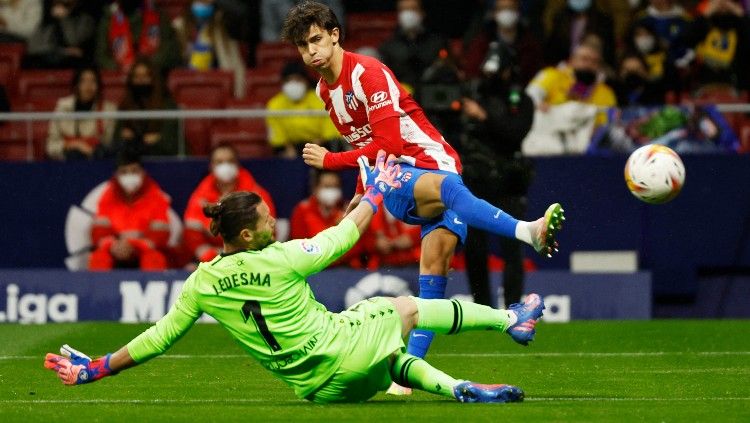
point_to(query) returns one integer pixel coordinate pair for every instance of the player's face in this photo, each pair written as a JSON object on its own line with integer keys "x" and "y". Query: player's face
{"x": 264, "y": 228}
{"x": 317, "y": 48}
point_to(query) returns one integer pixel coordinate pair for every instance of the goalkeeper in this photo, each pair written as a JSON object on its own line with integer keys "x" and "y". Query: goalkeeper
{"x": 256, "y": 289}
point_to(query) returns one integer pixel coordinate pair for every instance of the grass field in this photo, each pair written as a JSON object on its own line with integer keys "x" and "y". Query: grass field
{"x": 584, "y": 371}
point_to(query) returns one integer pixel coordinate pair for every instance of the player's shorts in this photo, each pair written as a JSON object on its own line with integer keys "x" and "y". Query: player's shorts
{"x": 402, "y": 205}
{"x": 374, "y": 335}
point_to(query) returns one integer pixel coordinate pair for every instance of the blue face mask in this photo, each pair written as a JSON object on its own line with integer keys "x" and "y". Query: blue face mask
{"x": 202, "y": 11}
{"x": 579, "y": 5}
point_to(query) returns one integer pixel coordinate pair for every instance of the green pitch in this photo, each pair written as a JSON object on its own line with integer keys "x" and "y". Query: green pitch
{"x": 586, "y": 371}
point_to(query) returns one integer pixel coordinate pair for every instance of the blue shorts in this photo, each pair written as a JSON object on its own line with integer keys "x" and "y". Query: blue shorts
{"x": 402, "y": 205}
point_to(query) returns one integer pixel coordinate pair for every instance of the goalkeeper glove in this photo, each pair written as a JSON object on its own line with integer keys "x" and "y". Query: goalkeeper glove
{"x": 74, "y": 367}
{"x": 380, "y": 180}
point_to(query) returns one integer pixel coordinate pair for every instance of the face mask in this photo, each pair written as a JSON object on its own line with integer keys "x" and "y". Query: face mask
{"x": 295, "y": 90}
{"x": 328, "y": 196}
{"x": 645, "y": 43}
{"x": 142, "y": 91}
{"x": 202, "y": 11}
{"x": 506, "y": 18}
{"x": 579, "y": 5}
{"x": 634, "y": 3}
{"x": 226, "y": 172}
{"x": 409, "y": 20}
{"x": 130, "y": 182}
{"x": 585, "y": 77}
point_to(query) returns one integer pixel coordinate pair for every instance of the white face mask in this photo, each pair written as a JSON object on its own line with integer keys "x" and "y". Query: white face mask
{"x": 328, "y": 196}
{"x": 226, "y": 172}
{"x": 645, "y": 43}
{"x": 506, "y": 18}
{"x": 579, "y": 5}
{"x": 409, "y": 20}
{"x": 130, "y": 182}
{"x": 295, "y": 90}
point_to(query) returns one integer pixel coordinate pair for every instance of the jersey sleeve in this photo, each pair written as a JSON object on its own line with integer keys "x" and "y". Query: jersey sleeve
{"x": 309, "y": 256}
{"x": 386, "y": 135}
{"x": 169, "y": 329}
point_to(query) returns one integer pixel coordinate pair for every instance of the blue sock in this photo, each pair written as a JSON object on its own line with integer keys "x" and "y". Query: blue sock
{"x": 474, "y": 211}
{"x": 430, "y": 287}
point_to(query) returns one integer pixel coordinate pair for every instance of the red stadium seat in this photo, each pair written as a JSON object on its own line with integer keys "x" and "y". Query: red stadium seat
{"x": 375, "y": 27}
{"x": 249, "y": 144}
{"x": 191, "y": 87}
{"x": 14, "y": 141}
{"x": 44, "y": 84}
{"x": 173, "y": 8}
{"x": 114, "y": 85}
{"x": 273, "y": 55}
{"x": 10, "y": 62}
{"x": 250, "y": 124}
{"x": 262, "y": 84}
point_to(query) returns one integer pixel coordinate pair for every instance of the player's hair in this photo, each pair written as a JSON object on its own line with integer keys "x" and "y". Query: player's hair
{"x": 302, "y": 16}
{"x": 223, "y": 145}
{"x": 233, "y": 213}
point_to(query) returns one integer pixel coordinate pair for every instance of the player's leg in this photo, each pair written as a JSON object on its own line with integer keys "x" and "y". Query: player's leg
{"x": 434, "y": 193}
{"x": 407, "y": 370}
{"x": 437, "y": 251}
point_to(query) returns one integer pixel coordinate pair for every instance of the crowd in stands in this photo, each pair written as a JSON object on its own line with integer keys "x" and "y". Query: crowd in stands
{"x": 141, "y": 55}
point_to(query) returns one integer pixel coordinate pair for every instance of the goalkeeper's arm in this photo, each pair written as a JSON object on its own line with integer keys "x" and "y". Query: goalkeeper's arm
{"x": 74, "y": 367}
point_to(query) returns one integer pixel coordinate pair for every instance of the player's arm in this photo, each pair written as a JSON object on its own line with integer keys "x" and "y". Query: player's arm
{"x": 309, "y": 256}
{"x": 74, "y": 367}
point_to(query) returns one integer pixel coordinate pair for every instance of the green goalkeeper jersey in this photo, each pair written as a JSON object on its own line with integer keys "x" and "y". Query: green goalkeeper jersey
{"x": 262, "y": 299}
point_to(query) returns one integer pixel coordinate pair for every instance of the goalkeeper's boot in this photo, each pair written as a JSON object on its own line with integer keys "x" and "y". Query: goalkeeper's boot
{"x": 398, "y": 390}
{"x": 545, "y": 242}
{"x": 477, "y": 392}
{"x": 527, "y": 314}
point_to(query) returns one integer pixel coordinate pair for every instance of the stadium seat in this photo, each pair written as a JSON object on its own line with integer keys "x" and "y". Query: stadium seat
{"x": 44, "y": 84}
{"x": 14, "y": 141}
{"x": 114, "y": 85}
{"x": 273, "y": 55}
{"x": 191, "y": 87}
{"x": 245, "y": 123}
{"x": 249, "y": 144}
{"x": 262, "y": 84}
{"x": 10, "y": 62}
{"x": 173, "y": 8}
{"x": 373, "y": 26}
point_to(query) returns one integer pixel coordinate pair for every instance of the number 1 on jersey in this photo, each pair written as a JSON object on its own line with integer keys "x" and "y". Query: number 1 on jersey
{"x": 251, "y": 308}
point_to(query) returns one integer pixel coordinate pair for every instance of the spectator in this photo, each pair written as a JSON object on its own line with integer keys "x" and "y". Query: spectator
{"x": 321, "y": 210}
{"x": 512, "y": 36}
{"x": 393, "y": 242}
{"x": 634, "y": 84}
{"x": 721, "y": 35}
{"x": 577, "y": 80}
{"x": 19, "y": 19}
{"x": 145, "y": 91}
{"x": 288, "y": 134}
{"x": 273, "y": 13}
{"x": 81, "y": 139}
{"x": 130, "y": 29}
{"x": 206, "y": 44}
{"x": 574, "y": 23}
{"x": 671, "y": 24}
{"x": 65, "y": 40}
{"x": 131, "y": 223}
{"x": 498, "y": 116}
{"x": 226, "y": 176}
{"x": 411, "y": 49}
{"x": 644, "y": 41}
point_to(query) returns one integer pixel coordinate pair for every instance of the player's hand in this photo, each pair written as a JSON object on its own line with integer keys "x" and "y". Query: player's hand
{"x": 380, "y": 180}
{"x": 74, "y": 367}
{"x": 314, "y": 154}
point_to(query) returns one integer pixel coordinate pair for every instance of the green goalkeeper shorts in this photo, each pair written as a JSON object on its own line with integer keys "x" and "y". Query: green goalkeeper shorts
{"x": 374, "y": 335}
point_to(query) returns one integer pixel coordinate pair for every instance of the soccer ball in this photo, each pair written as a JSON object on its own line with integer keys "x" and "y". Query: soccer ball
{"x": 654, "y": 174}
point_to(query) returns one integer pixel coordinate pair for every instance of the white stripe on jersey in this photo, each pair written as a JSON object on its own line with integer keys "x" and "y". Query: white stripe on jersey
{"x": 412, "y": 133}
{"x": 359, "y": 92}
{"x": 393, "y": 91}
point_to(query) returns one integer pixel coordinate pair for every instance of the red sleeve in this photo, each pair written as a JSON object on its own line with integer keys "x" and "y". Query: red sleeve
{"x": 386, "y": 135}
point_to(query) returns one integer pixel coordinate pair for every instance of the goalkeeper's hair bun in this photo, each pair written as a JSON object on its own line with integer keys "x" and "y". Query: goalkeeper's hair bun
{"x": 234, "y": 212}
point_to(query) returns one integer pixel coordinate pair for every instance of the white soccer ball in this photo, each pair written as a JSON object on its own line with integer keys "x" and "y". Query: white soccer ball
{"x": 654, "y": 174}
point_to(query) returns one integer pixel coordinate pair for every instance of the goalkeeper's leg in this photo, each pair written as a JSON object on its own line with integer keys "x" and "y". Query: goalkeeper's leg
{"x": 413, "y": 372}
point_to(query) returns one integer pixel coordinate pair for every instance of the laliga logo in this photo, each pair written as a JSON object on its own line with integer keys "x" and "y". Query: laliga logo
{"x": 38, "y": 308}
{"x": 78, "y": 229}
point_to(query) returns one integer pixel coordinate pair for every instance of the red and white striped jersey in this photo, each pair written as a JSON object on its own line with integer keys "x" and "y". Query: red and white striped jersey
{"x": 372, "y": 111}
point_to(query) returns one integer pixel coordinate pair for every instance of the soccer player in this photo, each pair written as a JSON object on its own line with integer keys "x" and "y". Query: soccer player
{"x": 372, "y": 112}
{"x": 256, "y": 289}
